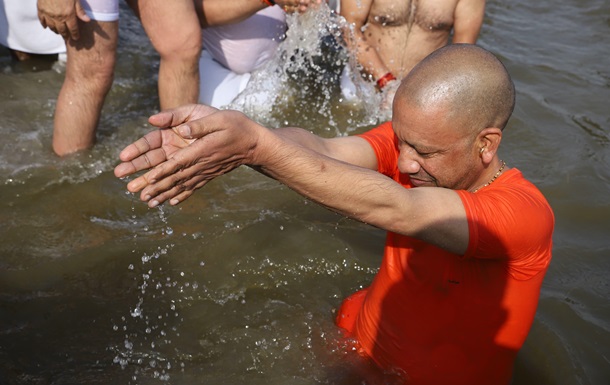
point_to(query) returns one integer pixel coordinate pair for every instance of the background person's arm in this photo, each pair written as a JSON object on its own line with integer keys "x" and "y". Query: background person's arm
{"x": 356, "y": 14}
{"x": 468, "y": 21}
{"x": 61, "y": 17}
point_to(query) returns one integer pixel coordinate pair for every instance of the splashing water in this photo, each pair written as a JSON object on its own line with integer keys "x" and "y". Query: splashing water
{"x": 301, "y": 81}
{"x": 149, "y": 330}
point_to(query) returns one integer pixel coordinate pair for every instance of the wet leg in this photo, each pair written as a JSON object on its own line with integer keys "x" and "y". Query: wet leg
{"x": 89, "y": 74}
{"x": 175, "y": 33}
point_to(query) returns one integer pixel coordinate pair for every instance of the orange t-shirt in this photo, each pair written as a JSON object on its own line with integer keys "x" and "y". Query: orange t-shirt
{"x": 442, "y": 318}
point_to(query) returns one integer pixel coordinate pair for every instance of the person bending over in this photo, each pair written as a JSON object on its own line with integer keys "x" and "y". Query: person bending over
{"x": 469, "y": 239}
{"x": 90, "y": 30}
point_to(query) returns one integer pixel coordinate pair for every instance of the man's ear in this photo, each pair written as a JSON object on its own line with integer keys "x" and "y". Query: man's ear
{"x": 489, "y": 141}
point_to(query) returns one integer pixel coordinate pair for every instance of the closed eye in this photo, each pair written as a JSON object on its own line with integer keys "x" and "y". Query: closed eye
{"x": 422, "y": 152}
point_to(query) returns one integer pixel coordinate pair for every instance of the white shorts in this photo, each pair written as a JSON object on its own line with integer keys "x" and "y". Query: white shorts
{"x": 218, "y": 85}
{"x": 101, "y": 10}
{"x": 244, "y": 46}
{"x": 232, "y": 52}
{"x": 348, "y": 88}
{"x": 21, "y": 30}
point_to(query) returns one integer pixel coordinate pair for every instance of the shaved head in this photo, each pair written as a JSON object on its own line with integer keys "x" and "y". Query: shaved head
{"x": 467, "y": 82}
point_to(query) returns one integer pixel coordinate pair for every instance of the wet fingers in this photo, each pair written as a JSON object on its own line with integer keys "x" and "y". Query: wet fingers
{"x": 179, "y": 192}
{"x": 143, "y": 162}
{"x": 186, "y": 194}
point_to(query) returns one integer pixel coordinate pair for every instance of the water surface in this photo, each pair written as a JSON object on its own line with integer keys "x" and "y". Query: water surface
{"x": 240, "y": 283}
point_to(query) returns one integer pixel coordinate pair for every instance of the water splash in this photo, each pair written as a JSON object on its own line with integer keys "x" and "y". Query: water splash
{"x": 149, "y": 329}
{"x": 301, "y": 82}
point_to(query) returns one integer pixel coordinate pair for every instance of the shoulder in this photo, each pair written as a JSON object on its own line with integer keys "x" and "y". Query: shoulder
{"x": 510, "y": 219}
{"x": 383, "y": 131}
{"x": 382, "y": 141}
{"x": 509, "y": 191}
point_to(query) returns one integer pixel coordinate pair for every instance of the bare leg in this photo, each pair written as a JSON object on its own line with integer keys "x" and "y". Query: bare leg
{"x": 174, "y": 30}
{"x": 89, "y": 75}
{"x": 20, "y": 55}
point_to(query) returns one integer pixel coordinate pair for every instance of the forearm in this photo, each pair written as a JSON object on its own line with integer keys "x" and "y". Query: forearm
{"x": 220, "y": 12}
{"x": 434, "y": 215}
{"x": 367, "y": 56}
{"x": 304, "y": 138}
{"x": 350, "y": 190}
{"x": 349, "y": 149}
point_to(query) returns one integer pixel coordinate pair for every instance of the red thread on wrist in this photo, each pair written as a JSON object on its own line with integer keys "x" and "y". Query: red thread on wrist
{"x": 269, "y": 3}
{"x": 385, "y": 79}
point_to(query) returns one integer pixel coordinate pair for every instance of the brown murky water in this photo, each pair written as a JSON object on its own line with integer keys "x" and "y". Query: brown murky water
{"x": 239, "y": 283}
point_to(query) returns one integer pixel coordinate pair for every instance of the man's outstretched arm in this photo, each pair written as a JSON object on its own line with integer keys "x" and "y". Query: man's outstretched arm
{"x": 316, "y": 169}
{"x": 157, "y": 147}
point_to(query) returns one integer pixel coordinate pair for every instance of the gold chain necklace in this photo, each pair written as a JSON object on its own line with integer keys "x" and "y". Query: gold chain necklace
{"x": 494, "y": 177}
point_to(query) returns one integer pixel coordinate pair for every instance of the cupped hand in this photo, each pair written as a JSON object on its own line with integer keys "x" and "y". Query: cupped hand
{"x": 158, "y": 146}
{"x": 61, "y": 17}
{"x": 195, "y": 145}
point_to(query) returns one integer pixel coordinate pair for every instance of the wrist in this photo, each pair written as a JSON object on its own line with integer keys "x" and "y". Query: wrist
{"x": 384, "y": 80}
{"x": 269, "y": 3}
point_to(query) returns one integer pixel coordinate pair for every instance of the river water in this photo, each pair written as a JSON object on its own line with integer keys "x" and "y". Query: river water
{"x": 239, "y": 284}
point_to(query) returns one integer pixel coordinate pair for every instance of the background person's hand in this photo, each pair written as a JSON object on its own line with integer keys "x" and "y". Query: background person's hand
{"x": 61, "y": 17}
{"x": 291, "y": 6}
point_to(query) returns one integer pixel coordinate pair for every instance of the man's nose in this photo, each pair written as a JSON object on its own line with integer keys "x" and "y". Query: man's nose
{"x": 407, "y": 161}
